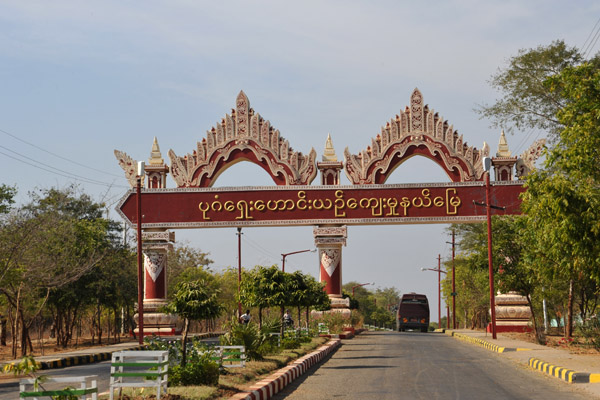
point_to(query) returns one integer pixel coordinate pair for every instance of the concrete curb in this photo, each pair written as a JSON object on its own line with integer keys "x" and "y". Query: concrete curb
{"x": 83, "y": 359}
{"x": 561, "y": 373}
{"x": 274, "y": 383}
{"x": 478, "y": 342}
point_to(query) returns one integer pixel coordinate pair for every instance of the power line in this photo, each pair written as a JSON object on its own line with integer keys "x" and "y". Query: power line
{"x": 57, "y": 155}
{"x": 54, "y": 170}
{"x": 591, "y": 40}
{"x": 260, "y": 249}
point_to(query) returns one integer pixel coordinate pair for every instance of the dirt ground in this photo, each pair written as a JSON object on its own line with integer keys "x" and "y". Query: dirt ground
{"x": 575, "y": 346}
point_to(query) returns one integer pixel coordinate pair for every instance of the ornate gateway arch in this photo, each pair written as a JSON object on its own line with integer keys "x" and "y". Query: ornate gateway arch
{"x": 243, "y": 136}
{"x": 416, "y": 131}
{"x": 329, "y": 207}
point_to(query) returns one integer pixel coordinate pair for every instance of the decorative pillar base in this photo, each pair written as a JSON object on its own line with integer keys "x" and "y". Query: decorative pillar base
{"x": 156, "y": 245}
{"x": 158, "y": 324}
{"x": 512, "y": 313}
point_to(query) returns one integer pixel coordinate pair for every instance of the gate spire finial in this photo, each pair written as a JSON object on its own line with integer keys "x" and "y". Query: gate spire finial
{"x": 329, "y": 153}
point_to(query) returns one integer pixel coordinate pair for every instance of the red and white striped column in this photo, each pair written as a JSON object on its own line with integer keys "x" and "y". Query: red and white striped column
{"x": 330, "y": 240}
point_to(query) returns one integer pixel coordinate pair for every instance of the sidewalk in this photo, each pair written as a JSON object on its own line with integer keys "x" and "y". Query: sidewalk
{"x": 582, "y": 370}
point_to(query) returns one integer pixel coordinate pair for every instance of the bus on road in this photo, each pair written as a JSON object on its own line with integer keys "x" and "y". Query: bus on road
{"x": 413, "y": 313}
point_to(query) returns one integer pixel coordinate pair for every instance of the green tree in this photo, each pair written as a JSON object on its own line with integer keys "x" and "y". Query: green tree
{"x": 307, "y": 293}
{"x": 266, "y": 287}
{"x": 526, "y": 101}
{"x": 186, "y": 263}
{"x": 472, "y": 274}
{"x": 387, "y": 298}
{"x": 7, "y": 194}
{"x": 317, "y": 297}
{"x": 193, "y": 301}
{"x": 361, "y": 299}
{"x": 562, "y": 201}
{"x": 47, "y": 244}
{"x": 227, "y": 281}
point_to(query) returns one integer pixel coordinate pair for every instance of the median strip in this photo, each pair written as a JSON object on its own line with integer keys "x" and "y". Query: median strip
{"x": 275, "y": 382}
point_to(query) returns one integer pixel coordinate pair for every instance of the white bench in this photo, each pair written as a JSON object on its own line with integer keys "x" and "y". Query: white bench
{"x": 230, "y": 356}
{"x": 139, "y": 369}
{"x": 88, "y": 385}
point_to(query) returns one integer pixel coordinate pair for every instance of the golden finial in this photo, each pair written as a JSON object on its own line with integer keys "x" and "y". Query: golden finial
{"x": 503, "y": 150}
{"x": 329, "y": 154}
{"x": 155, "y": 156}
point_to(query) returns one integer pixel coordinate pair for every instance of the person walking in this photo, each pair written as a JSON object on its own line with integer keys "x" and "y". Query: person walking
{"x": 245, "y": 318}
{"x": 288, "y": 322}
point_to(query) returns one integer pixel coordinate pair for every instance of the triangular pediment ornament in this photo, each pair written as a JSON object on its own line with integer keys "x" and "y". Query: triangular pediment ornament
{"x": 330, "y": 259}
{"x": 154, "y": 263}
{"x": 243, "y": 135}
{"x": 415, "y": 131}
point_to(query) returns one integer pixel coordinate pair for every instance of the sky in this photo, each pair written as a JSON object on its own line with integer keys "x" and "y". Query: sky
{"x": 81, "y": 79}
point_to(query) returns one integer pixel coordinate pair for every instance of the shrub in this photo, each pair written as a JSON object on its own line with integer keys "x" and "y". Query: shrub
{"x": 335, "y": 321}
{"x": 249, "y": 336}
{"x": 590, "y": 330}
{"x": 199, "y": 370}
{"x": 290, "y": 343}
{"x": 172, "y": 346}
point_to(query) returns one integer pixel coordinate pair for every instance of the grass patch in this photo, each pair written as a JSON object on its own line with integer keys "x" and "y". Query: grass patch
{"x": 233, "y": 381}
{"x": 236, "y": 380}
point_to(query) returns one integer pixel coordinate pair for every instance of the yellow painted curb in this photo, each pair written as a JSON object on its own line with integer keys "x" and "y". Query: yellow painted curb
{"x": 479, "y": 342}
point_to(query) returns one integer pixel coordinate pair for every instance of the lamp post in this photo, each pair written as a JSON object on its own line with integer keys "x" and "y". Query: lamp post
{"x": 440, "y": 272}
{"x": 239, "y": 235}
{"x": 284, "y": 255}
{"x": 362, "y": 284}
{"x": 140, "y": 175}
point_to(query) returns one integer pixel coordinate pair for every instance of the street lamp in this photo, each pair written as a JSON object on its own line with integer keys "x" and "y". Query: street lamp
{"x": 362, "y": 284}
{"x": 284, "y": 255}
{"x": 440, "y": 272}
{"x": 140, "y": 176}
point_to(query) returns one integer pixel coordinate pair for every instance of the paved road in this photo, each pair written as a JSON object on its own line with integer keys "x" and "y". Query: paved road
{"x": 407, "y": 365}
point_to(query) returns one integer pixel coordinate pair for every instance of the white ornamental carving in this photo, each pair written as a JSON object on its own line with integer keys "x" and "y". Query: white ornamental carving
{"x": 154, "y": 263}
{"x": 330, "y": 259}
{"x": 244, "y": 131}
{"x": 416, "y": 126}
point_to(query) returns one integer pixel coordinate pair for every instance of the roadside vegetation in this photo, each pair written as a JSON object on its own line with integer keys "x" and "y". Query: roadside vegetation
{"x": 551, "y": 253}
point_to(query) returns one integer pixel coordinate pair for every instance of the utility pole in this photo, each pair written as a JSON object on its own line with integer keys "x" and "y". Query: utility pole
{"x": 488, "y": 208}
{"x": 239, "y": 235}
{"x": 453, "y": 243}
{"x": 439, "y": 271}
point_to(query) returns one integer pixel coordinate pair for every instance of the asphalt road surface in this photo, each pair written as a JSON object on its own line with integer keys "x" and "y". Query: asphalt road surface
{"x": 392, "y": 365}
{"x": 410, "y": 365}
